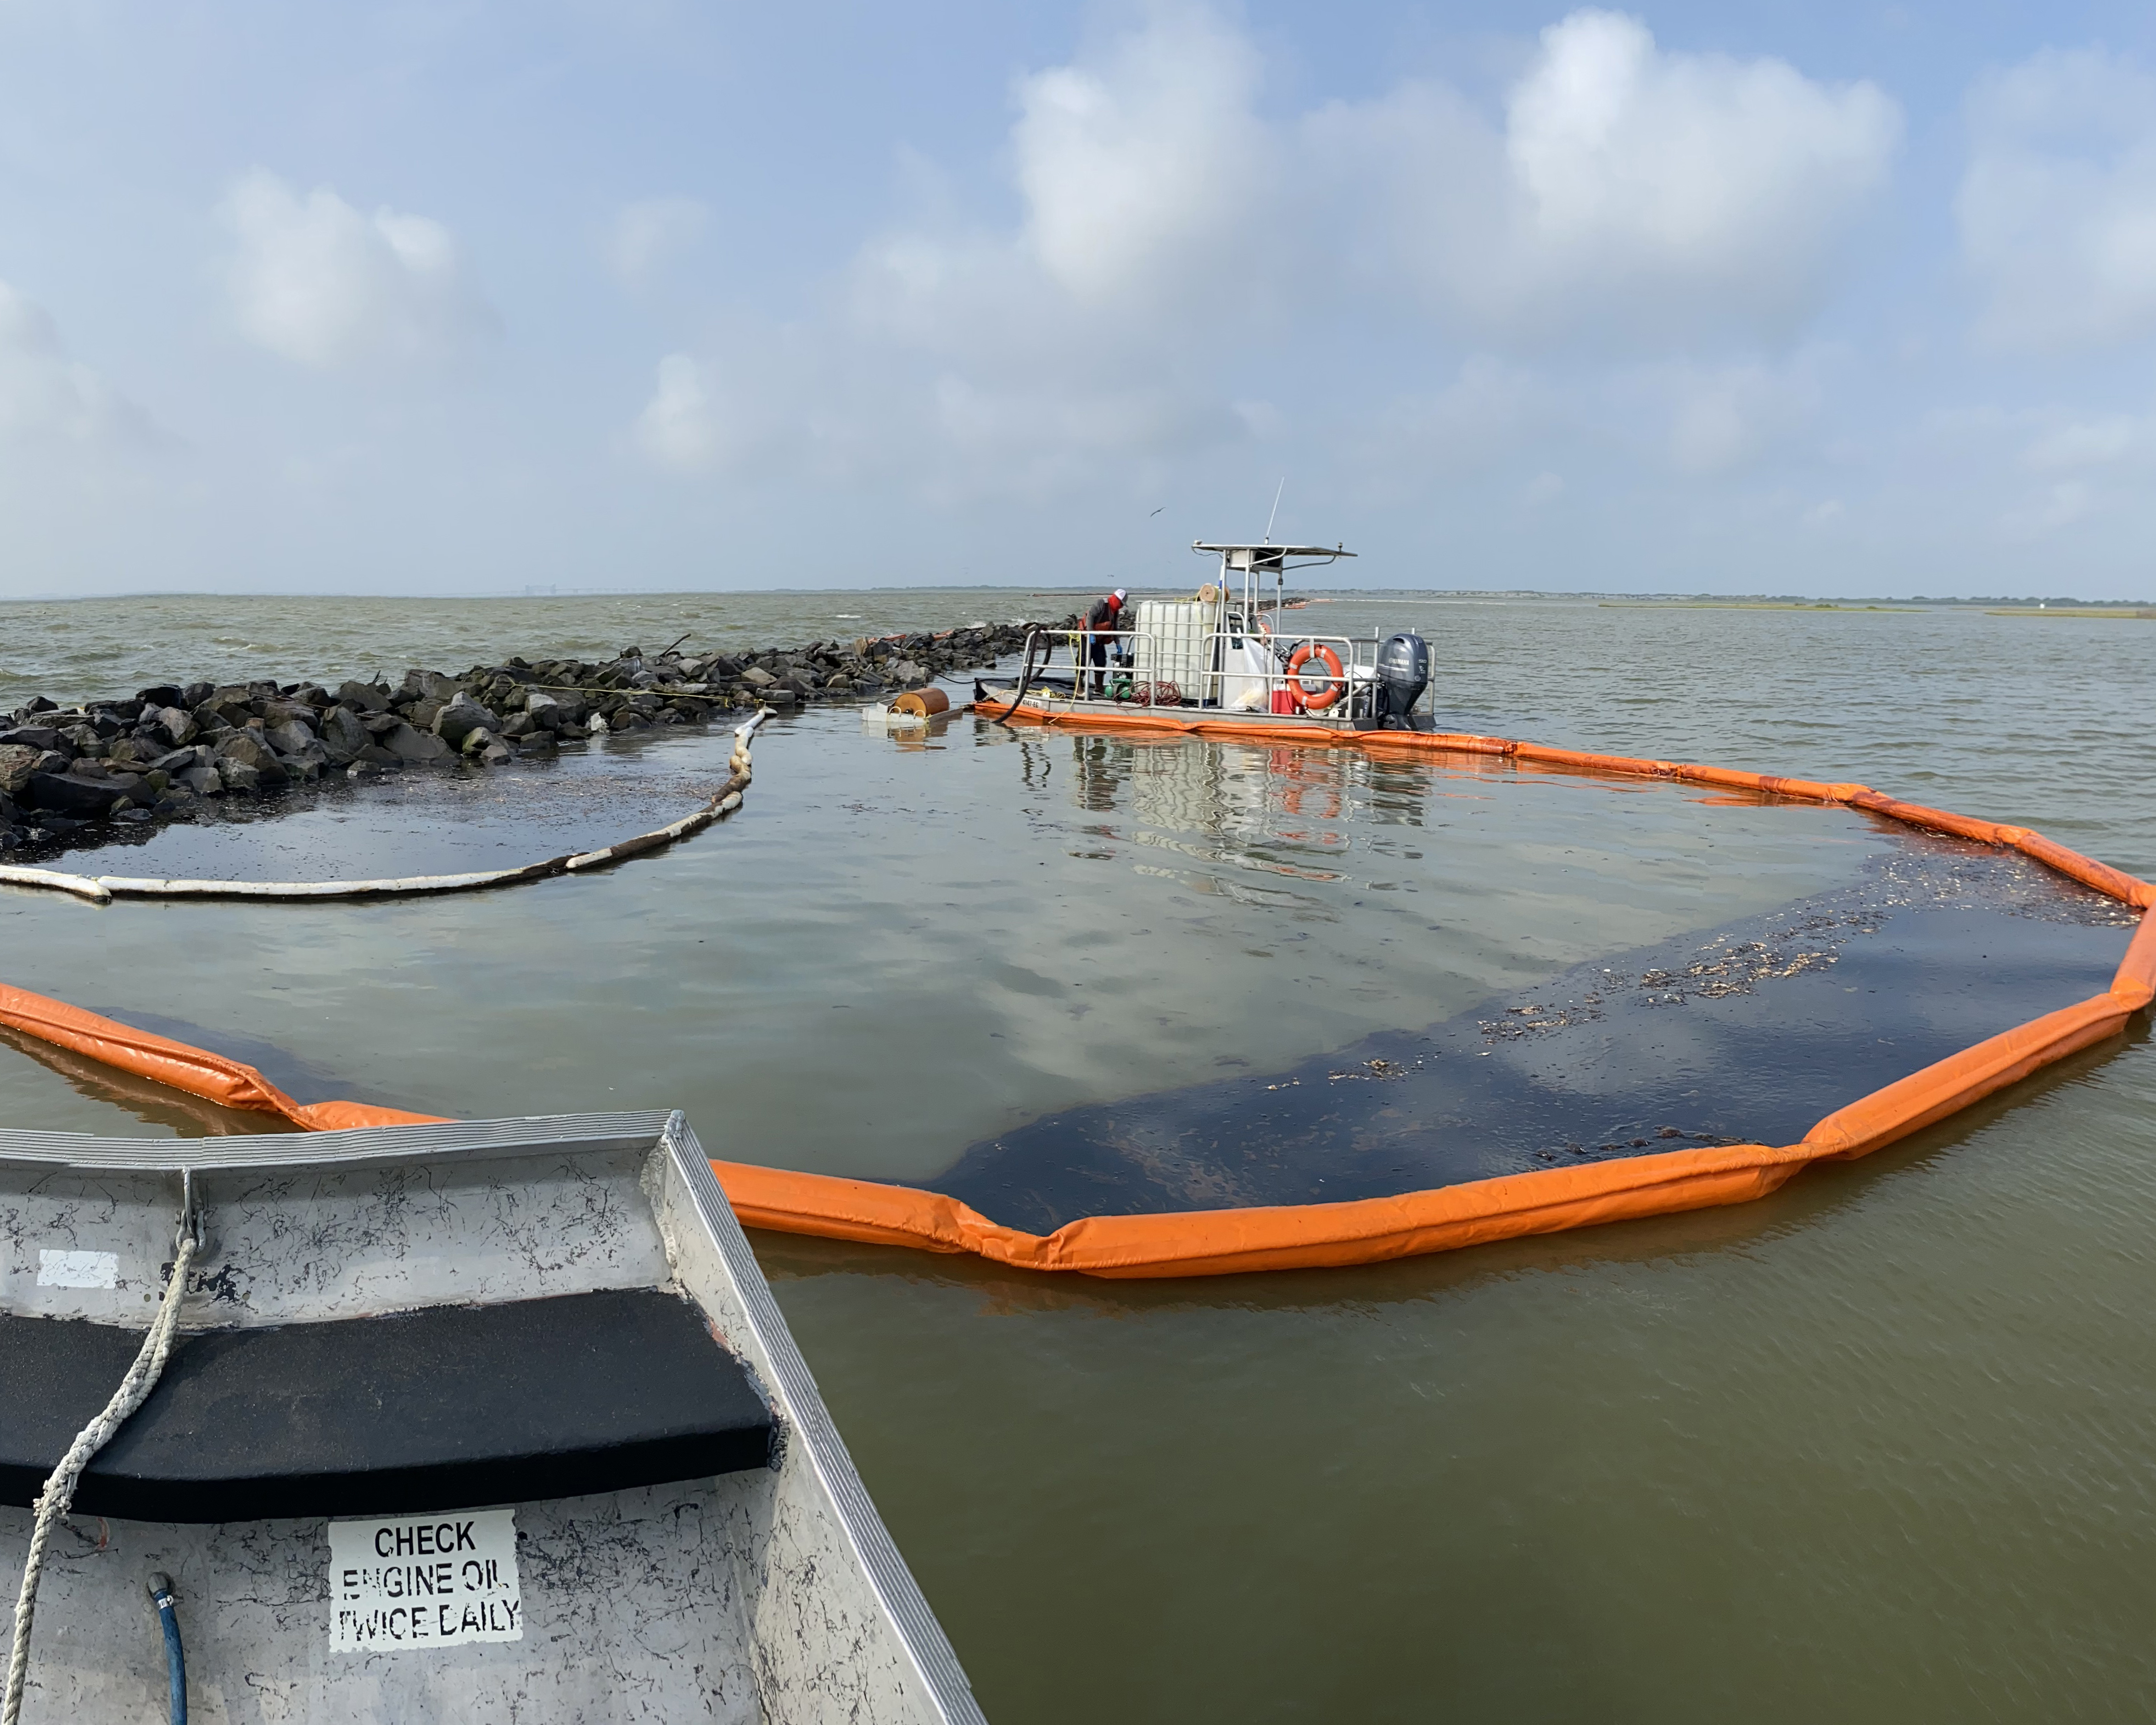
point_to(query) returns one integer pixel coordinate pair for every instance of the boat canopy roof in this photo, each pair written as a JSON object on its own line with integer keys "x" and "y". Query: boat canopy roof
{"x": 1268, "y": 557}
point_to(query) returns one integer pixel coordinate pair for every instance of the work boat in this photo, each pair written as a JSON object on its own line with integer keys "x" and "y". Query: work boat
{"x": 1222, "y": 661}
{"x": 486, "y": 1421}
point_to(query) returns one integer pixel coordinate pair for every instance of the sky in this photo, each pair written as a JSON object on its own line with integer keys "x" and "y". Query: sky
{"x": 1825, "y": 298}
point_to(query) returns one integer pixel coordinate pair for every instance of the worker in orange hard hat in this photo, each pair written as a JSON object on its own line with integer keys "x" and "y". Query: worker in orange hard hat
{"x": 1102, "y": 622}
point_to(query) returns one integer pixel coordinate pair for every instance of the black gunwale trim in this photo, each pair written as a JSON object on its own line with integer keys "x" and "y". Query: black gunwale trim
{"x": 437, "y": 1408}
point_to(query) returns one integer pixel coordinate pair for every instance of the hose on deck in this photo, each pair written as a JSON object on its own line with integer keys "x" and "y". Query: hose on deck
{"x": 175, "y": 1657}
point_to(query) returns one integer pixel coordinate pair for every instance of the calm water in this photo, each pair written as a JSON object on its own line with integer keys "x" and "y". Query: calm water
{"x": 1876, "y": 1448}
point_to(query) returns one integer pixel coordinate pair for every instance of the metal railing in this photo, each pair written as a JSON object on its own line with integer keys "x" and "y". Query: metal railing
{"x": 1302, "y": 695}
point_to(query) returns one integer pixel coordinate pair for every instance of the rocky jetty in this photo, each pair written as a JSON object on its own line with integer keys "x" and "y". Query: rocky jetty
{"x": 71, "y": 776}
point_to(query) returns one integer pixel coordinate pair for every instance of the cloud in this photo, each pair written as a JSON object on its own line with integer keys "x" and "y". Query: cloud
{"x": 2059, "y": 505}
{"x": 1725, "y": 418}
{"x": 1139, "y": 171}
{"x": 2086, "y": 442}
{"x": 2057, "y": 208}
{"x": 1033, "y": 357}
{"x": 1650, "y": 206}
{"x": 1141, "y": 175}
{"x": 1631, "y": 195}
{"x": 651, "y": 233}
{"x": 677, "y": 428}
{"x": 315, "y": 281}
{"x": 45, "y": 396}
{"x": 2084, "y": 466}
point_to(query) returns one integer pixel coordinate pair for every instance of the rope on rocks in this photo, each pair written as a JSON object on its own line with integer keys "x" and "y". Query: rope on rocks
{"x": 103, "y": 889}
{"x": 59, "y": 1493}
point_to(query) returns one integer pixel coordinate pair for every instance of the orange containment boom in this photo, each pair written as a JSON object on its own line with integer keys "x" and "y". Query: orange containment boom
{"x": 1303, "y": 1236}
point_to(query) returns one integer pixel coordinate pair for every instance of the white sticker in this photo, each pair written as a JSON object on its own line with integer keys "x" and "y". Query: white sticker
{"x": 425, "y": 1581}
{"x": 78, "y": 1270}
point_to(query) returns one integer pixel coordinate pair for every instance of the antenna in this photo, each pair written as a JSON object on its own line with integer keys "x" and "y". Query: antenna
{"x": 1275, "y": 515}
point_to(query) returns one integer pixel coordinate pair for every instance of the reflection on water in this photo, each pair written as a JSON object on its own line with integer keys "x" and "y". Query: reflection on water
{"x": 1872, "y": 1449}
{"x": 422, "y": 821}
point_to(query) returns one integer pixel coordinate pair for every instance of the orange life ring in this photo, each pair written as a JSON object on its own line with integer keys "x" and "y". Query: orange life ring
{"x": 1323, "y": 698}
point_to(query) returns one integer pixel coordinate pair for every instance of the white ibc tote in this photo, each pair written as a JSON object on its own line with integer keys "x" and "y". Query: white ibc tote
{"x": 1170, "y": 647}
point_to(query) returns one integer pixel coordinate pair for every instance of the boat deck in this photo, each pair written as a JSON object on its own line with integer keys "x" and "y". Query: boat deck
{"x": 544, "y": 1342}
{"x": 1053, "y": 707}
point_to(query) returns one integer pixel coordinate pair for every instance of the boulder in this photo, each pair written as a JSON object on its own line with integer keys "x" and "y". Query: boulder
{"x": 539, "y": 742}
{"x": 251, "y": 750}
{"x": 239, "y": 776}
{"x": 429, "y": 686}
{"x": 285, "y": 712}
{"x": 176, "y": 724}
{"x": 462, "y": 716}
{"x": 306, "y": 761}
{"x": 363, "y": 697}
{"x": 31, "y": 736}
{"x": 552, "y": 709}
{"x": 222, "y": 709}
{"x": 758, "y": 677}
{"x": 76, "y": 795}
{"x": 18, "y": 761}
{"x": 293, "y": 736}
{"x": 343, "y": 735}
{"x": 204, "y": 781}
{"x": 422, "y": 713}
{"x": 416, "y": 747}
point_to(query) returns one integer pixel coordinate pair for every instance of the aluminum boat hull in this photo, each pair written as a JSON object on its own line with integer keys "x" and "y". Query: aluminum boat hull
{"x": 546, "y": 1336}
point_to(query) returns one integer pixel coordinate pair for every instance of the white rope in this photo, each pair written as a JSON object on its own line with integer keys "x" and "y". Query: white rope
{"x": 59, "y": 1492}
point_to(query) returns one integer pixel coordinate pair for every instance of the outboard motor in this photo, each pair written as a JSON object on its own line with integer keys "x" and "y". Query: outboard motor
{"x": 1403, "y": 674}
